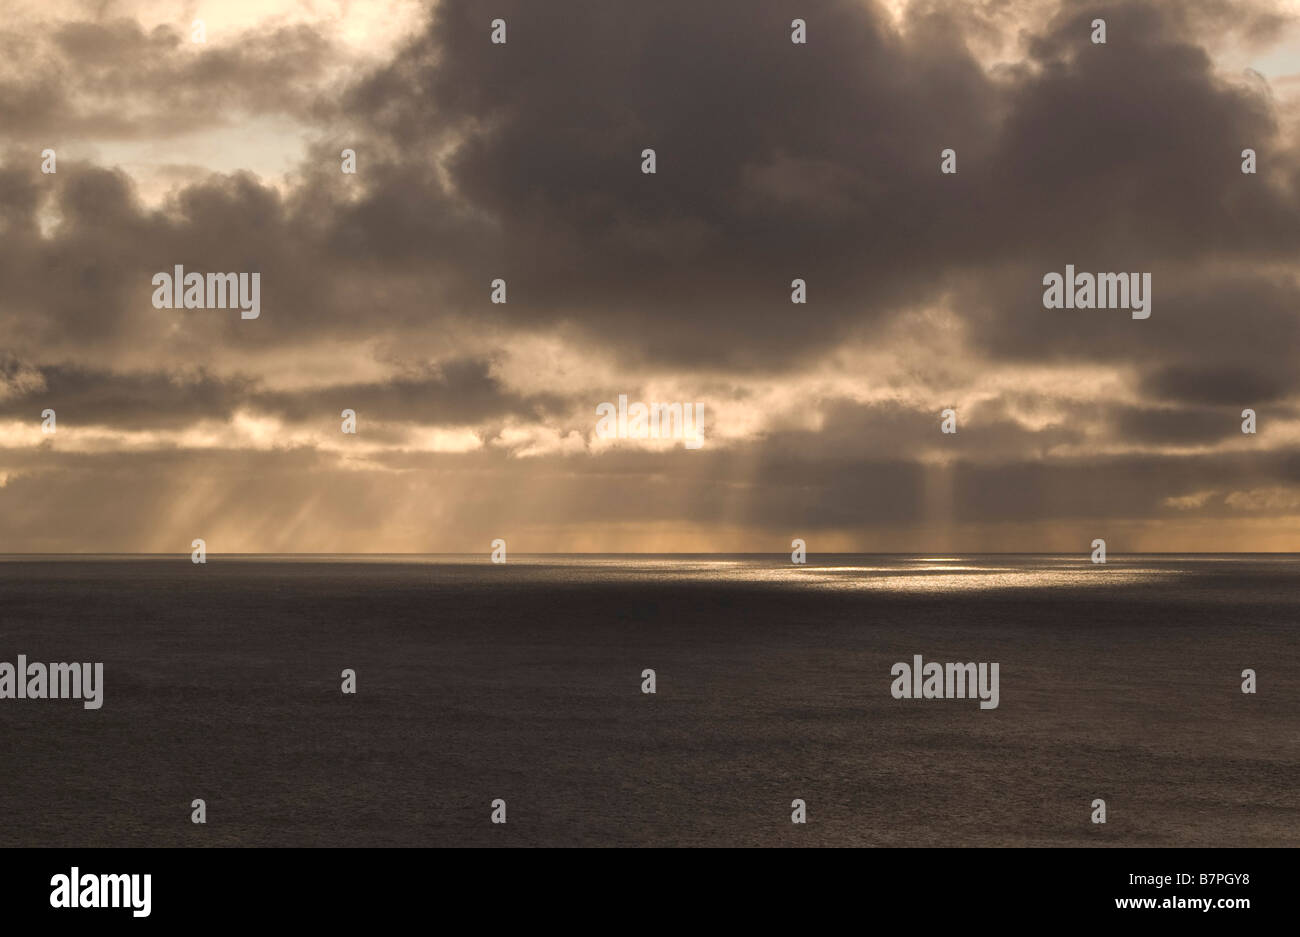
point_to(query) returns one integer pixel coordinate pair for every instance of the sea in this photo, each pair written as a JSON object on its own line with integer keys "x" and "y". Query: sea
{"x": 518, "y": 690}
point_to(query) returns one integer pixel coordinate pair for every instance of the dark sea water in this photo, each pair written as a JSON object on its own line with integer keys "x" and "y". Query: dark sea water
{"x": 523, "y": 682}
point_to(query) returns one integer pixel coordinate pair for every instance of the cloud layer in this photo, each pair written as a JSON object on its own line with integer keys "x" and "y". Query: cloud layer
{"x": 775, "y": 161}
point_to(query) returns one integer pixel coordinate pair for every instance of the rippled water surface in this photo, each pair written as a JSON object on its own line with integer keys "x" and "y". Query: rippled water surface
{"x": 523, "y": 681}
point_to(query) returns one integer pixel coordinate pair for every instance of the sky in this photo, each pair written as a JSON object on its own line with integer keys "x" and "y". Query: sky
{"x": 523, "y": 161}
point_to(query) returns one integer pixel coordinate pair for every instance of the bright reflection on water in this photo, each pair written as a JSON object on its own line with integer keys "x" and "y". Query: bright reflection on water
{"x": 836, "y": 572}
{"x": 872, "y": 572}
{"x": 892, "y": 573}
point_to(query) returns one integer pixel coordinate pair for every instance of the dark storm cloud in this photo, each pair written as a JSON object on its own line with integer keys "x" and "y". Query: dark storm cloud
{"x": 776, "y": 161}
{"x": 89, "y": 284}
{"x": 1190, "y": 426}
{"x": 329, "y": 269}
{"x": 1217, "y": 385}
{"x": 460, "y": 392}
{"x": 1213, "y": 333}
{"x": 457, "y": 393}
{"x": 75, "y": 287}
{"x": 851, "y": 430}
{"x": 126, "y": 401}
{"x": 72, "y": 80}
{"x": 1132, "y": 487}
{"x": 821, "y": 162}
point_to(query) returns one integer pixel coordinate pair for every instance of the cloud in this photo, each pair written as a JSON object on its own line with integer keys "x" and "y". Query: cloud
{"x": 776, "y": 161}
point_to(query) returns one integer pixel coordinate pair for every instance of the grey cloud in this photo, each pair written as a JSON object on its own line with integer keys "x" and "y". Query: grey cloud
{"x": 775, "y": 161}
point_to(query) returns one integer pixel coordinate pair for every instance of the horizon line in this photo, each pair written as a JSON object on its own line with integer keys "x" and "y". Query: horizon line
{"x": 678, "y": 553}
